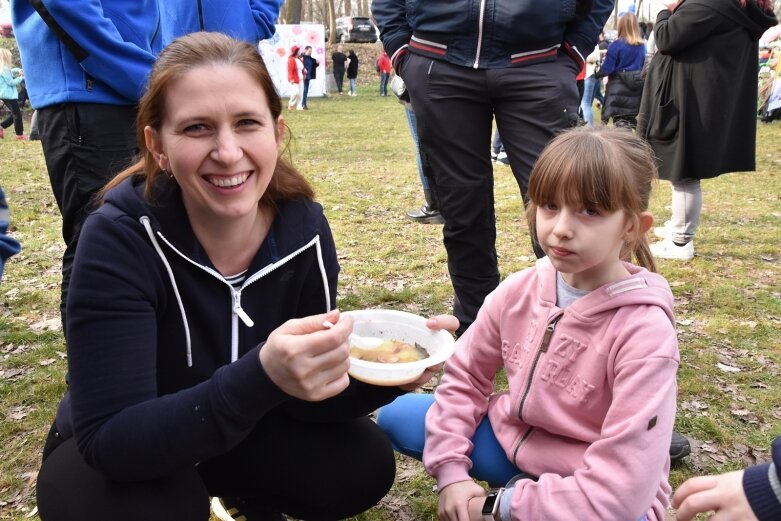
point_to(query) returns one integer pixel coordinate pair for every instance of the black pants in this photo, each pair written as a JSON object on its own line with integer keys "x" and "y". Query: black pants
{"x": 14, "y": 117}
{"x": 339, "y": 78}
{"x": 85, "y": 145}
{"x": 312, "y": 471}
{"x": 455, "y": 107}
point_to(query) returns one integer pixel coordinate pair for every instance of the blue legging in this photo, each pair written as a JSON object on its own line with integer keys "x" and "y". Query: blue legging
{"x": 404, "y": 421}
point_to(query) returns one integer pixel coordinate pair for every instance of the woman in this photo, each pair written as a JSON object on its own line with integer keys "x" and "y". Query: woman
{"x": 198, "y": 361}
{"x": 295, "y": 76}
{"x": 10, "y": 77}
{"x": 699, "y": 106}
{"x": 623, "y": 63}
{"x": 352, "y": 71}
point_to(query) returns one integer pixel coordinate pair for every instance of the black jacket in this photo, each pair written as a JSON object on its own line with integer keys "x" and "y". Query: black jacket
{"x": 163, "y": 363}
{"x": 699, "y": 103}
{"x": 491, "y": 34}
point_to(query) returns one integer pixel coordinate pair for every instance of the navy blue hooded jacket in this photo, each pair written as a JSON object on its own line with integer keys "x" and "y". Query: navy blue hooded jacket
{"x": 163, "y": 362}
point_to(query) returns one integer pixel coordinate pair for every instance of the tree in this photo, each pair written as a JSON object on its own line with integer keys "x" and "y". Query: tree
{"x": 292, "y": 11}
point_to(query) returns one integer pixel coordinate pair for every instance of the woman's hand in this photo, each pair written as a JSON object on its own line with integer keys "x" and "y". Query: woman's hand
{"x": 457, "y": 502}
{"x": 722, "y": 494}
{"x": 670, "y": 5}
{"x": 306, "y": 360}
{"x": 446, "y": 322}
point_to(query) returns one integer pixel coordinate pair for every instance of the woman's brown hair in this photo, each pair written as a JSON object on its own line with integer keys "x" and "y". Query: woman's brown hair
{"x": 607, "y": 169}
{"x": 202, "y": 49}
{"x": 629, "y": 29}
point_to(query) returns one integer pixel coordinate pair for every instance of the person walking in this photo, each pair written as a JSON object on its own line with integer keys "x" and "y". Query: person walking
{"x": 8, "y": 245}
{"x": 698, "y": 109}
{"x": 310, "y": 73}
{"x": 384, "y": 68}
{"x": 462, "y": 70}
{"x": 352, "y": 72}
{"x": 338, "y": 64}
{"x": 10, "y": 78}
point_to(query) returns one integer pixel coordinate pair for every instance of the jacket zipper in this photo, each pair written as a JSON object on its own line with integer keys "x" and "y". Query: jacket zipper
{"x": 480, "y": 34}
{"x": 544, "y": 344}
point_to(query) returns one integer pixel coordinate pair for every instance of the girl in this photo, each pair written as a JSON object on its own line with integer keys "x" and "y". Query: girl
{"x": 198, "y": 363}
{"x": 352, "y": 72}
{"x": 623, "y": 65}
{"x": 588, "y": 344}
{"x": 295, "y": 76}
{"x": 10, "y": 77}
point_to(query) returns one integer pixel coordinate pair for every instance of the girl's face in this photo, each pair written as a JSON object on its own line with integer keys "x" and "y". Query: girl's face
{"x": 583, "y": 244}
{"x": 219, "y": 140}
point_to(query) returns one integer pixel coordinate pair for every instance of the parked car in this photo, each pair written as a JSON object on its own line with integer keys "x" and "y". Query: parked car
{"x": 355, "y": 29}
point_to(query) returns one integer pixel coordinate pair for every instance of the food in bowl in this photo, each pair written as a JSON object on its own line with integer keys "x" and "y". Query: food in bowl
{"x": 390, "y": 352}
{"x": 404, "y": 327}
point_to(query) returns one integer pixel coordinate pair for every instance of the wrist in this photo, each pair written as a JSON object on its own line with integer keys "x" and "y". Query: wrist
{"x": 490, "y": 510}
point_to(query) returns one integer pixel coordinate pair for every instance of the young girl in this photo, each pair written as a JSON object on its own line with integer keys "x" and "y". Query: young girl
{"x": 588, "y": 344}
{"x": 10, "y": 77}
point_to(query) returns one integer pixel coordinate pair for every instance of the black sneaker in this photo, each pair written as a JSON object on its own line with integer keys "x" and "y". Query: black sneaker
{"x": 679, "y": 447}
{"x": 235, "y": 509}
{"x": 425, "y": 215}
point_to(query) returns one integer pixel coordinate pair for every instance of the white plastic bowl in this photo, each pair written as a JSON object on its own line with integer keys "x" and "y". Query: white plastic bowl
{"x": 406, "y": 327}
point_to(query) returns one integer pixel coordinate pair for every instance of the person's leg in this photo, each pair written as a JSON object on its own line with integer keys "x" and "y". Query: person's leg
{"x": 404, "y": 421}
{"x": 68, "y": 489}
{"x": 85, "y": 146}
{"x": 34, "y": 135}
{"x": 532, "y": 105}
{"x": 686, "y": 209}
{"x": 306, "y": 94}
{"x": 309, "y": 470}
{"x": 14, "y": 117}
{"x": 300, "y": 104}
{"x": 588, "y": 100}
{"x": 353, "y": 87}
{"x": 429, "y": 212}
{"x": 454, "y": 114}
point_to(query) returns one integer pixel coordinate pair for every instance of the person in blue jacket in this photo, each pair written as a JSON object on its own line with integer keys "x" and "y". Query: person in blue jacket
{"x": 86, "y": 63}
{"x": 199, "y": 364}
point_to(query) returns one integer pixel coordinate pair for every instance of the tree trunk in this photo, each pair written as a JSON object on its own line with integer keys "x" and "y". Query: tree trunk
{"x": 293, "y": 11}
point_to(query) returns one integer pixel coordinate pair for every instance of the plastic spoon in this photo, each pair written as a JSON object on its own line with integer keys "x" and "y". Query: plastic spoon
{"x": 365, "y": 342}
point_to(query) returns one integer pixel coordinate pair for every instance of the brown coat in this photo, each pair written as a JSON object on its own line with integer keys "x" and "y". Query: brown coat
{"x": 698, "y": 109}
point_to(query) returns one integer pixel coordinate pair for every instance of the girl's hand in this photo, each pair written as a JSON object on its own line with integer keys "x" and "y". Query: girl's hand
{"x": 455, "y": 504}
{"x": 722, "y": 494}
{"x": 306, "y": 360}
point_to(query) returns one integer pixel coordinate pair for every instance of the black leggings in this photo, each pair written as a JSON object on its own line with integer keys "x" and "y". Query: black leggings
{"x": 312, "y": 471}
{"x": 14, "y": 117}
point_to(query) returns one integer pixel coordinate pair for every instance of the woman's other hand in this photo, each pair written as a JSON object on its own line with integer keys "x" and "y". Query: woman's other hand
{"x": 306, "y": 360}
{"x": 722, "y": 494}
{"x": 446, "y": 322}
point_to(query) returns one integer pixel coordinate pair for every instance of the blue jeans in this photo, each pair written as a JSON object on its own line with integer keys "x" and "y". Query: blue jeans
{"x": 404, "y": 421}
{"x": 384, "y": 83}
{"x": 589, "y": 86}
{"x": 413, "y": 130}
{"x": 353, "y": 88}
{"x": 306, "y": 93}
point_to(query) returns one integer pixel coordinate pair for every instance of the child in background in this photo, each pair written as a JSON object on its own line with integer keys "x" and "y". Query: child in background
{"x": 10, "y": 77}
{"x": 588, "y": 343}
{"x": 8, "y": 245}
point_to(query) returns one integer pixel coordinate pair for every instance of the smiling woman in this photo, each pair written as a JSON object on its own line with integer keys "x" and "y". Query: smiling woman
{"x": 198, "y": 362}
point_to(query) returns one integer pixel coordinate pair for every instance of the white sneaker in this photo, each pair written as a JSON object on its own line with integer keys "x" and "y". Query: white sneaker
{"x": 664, "y": 231}
{"x": 667, "y": 249}
{"x": 502, "y": 158}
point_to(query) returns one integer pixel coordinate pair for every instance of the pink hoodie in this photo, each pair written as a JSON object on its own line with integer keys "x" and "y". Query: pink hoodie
{"x": 591, "y": 400}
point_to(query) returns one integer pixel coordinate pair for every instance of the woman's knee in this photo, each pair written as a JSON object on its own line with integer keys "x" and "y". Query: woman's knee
{"x": 68, "y": 488}
{"x": 404, "y": 421}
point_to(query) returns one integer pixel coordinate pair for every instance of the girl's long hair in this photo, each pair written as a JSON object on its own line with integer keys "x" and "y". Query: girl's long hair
{"x": 607, "y": 169}
{"x": 629, "y": 29}
{"x": 202, "y": 49}
{"x": 6, "y": 60}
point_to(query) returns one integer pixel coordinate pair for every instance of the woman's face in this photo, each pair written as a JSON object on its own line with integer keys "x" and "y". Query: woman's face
{"x": 219, "y": 140}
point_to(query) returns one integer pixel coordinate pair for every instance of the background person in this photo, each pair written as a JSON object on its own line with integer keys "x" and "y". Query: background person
{"x": 704, "y": 74}
{"x": 295, "y": 77}
{"x": 8, "y": 245}
{"x": 206, "y": 370}
{"x": 589, "y": 348}
{"x": 463, "y": 67}
{"x": 339, "y": 63}
{"x": 384, "y": 68}
{"x": 10, "y": 78}
{"x": 623, "y": 65}
{"x": 310, "y": 73}
{"x": 352, "y": 72}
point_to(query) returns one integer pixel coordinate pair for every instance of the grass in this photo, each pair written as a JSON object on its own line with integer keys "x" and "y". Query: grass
{"x": 359, "y": 156}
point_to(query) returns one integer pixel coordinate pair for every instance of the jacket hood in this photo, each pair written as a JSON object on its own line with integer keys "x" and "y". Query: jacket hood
{"x": 641, "y": 287}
